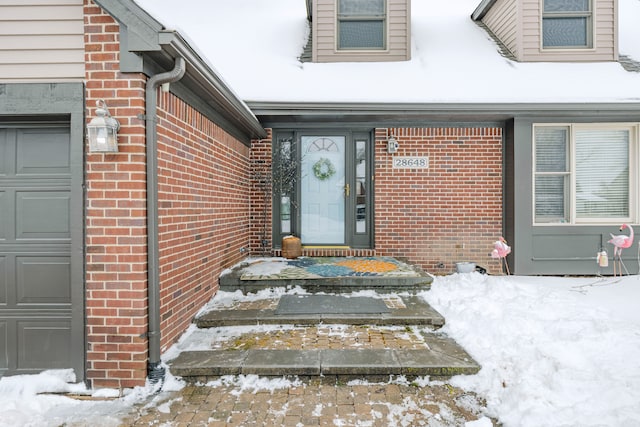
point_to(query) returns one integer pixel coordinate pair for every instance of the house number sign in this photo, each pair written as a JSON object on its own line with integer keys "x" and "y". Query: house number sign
{"x": 410, "y": 162}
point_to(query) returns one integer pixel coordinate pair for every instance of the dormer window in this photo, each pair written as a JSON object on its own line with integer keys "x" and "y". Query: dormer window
{"x": 567, "y": 24}
{"x": 362, "y": 24}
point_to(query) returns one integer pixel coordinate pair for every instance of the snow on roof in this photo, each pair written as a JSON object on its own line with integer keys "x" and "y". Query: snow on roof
{"x": 255, "y": 45}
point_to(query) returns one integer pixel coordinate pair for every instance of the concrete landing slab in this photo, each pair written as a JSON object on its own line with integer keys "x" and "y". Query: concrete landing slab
{"x": 442, "y": 359}
{"x": 327, "y": 275}
{"x": 416, "y": 311}
{"x": 273, "y": 362}
{"x": 329, "y": 304}
{"x": 213, "y": 363}
{"x": 414, "y": 362}
{"x": 360, "y": 362}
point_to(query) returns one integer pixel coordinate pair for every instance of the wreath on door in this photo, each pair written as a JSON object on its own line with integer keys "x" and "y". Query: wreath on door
{"x": 323, "y": 169}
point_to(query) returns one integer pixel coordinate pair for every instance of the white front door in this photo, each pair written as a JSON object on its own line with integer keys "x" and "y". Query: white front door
{"x": 323, "y": 190}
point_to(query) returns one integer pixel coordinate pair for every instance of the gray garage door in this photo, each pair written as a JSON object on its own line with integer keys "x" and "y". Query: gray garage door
{"x": 41, "y": 325}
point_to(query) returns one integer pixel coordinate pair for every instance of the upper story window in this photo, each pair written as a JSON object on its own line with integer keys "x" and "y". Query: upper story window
{"x": 567, "y": 24}
{"x": 585, "y": 174}
{"x": 362, "y": 24}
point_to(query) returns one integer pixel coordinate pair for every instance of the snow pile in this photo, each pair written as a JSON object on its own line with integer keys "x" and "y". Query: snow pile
{"x": 40, "y": 401}
{"x": 554, "y": 352}
{"x": 253, "y": 383}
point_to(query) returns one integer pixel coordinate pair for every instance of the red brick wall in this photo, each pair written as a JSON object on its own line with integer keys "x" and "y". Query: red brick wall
{"x": 204, "y": 214}
{"x": 204, "y": 190}
{"x": 451, "y": 211}
{"x": 116, "y": 279}
{"x": 261, "y": 196}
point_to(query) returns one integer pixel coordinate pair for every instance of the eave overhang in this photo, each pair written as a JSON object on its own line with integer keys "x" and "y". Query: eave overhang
{"x": 273, "y": 114}
{"x": 147, "y": 47}
{"x": 482, "y": 9}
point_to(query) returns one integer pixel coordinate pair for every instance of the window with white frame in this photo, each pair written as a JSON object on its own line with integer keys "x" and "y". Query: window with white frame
{"x": 585, "y": 173}
{"x": 567, "y": 24}
{"x": 361, "y": 24}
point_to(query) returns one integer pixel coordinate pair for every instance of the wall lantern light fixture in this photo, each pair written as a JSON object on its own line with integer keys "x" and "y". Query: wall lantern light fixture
{"x": 392, "y": 145}
{"x": 102, "y": 131}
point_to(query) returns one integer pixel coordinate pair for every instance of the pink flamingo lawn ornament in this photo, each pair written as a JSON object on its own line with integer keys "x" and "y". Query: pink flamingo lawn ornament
{"x": 501, "y": 250}
{"x": 621, "y": 241}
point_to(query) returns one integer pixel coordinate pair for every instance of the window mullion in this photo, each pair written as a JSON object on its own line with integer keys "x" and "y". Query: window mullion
{"x": 572, "y": 175}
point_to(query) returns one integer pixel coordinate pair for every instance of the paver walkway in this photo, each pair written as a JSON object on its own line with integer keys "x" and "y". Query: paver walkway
{"x": 313, "y": 402}
{"x": 240, "y": 337}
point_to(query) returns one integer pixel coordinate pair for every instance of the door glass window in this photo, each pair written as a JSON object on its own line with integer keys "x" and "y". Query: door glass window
{"x": 361, "y": 187}
{"x": 284, "y": 181}
{"x": 322, "y": 190}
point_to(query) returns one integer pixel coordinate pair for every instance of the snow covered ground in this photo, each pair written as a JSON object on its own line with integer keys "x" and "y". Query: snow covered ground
{"x": 554, "y": 351}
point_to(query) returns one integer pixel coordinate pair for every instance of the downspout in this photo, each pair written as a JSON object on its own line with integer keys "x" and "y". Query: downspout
{"x": 155, "y": 371}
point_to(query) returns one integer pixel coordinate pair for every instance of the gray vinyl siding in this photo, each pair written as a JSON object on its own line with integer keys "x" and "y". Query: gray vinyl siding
{"x": 548, "y": 249}
{"x": 41, "y": 40}
{"x": 502, "y": 20}
{"x": 325, "y": 33}
{"x": 518, "y": 25}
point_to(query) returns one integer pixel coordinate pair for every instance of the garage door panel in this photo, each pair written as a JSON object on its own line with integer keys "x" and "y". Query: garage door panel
{"x": 4, "y": 152}
{"x": 43, "y": 344}
{"x": 4, "y": 280}
{"x": 4, "y": 346}
{"x": 43, "y": 152}
{"x": 6, "y": 215}
{"x": 41, "y": 294}
{"x": 43, "y": 280}
{"x": 43, "y": 215}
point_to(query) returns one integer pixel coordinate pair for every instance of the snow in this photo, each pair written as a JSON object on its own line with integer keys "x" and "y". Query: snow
{"x": 41, "y": 401}
{"x": 554, "y": 351}
{"x": 254, "y": 45}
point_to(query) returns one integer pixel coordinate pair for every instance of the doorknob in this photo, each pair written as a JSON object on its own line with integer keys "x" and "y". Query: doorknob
{"x": 347, "y": 190}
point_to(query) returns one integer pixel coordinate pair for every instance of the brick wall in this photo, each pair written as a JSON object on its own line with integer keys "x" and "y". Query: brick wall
{"x": 261, "y": 196}
{"x": 116, "y": 264}
{"x": 204, "y": 190}
{"x": 432, "y": 217}
{"x": 451, "y": 211}
{"x": 203, "y": 204}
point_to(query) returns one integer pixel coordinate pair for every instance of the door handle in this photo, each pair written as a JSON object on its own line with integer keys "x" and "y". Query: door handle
{"x": 347, "y": 190}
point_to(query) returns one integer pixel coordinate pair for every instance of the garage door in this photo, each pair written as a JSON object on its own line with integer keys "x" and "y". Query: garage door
{"x": 41, "y": 325}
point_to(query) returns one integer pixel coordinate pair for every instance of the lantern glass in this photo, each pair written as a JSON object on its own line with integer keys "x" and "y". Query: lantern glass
{"x": 102, "y": 131}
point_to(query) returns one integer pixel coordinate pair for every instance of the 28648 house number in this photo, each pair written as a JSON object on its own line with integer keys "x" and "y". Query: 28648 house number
{"x": 410, "y": 162}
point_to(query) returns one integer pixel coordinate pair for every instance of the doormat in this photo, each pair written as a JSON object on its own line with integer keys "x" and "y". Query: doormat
{"x": 306, "y": 268}
{"x": 329, "y": 304}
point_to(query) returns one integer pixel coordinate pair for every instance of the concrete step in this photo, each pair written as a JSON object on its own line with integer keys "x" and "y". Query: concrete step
{"x": 442, "y": 358}
{"x": 415, "y": 312}
{"x": 300, "y": 273}
{"x": 325, "y": 335}
{"x": 231, "y": 283}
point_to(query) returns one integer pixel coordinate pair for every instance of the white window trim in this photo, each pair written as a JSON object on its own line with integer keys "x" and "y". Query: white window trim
{"x": 634, "y": 173}
{"x": 567, "y": 49}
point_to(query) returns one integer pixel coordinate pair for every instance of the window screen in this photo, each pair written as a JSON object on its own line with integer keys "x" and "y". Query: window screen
{"x": 566, "y": 23}
{"x": 361, "y": 24}
{"x": 551, "y": 181}
{"x": 602, "y": 173}
{"x": 582, "y": 174}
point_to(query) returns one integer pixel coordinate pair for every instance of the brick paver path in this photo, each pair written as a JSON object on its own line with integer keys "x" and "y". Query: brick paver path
{"x": 314, "y": 402}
